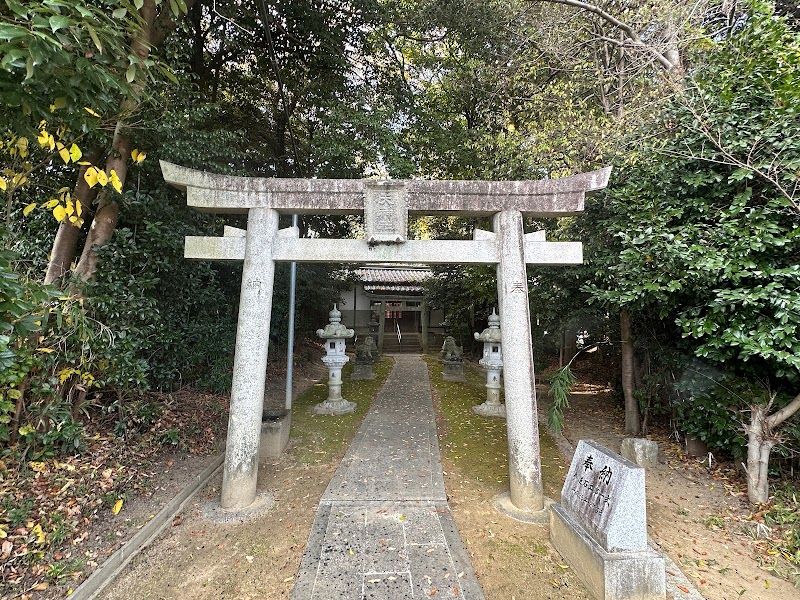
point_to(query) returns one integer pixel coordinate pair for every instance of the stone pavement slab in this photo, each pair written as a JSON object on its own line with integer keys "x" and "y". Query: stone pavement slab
{"x": 384, "y": 530}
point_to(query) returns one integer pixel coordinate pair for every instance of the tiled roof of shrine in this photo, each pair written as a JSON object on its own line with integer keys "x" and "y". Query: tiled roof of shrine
{"x": 393, "y": 280}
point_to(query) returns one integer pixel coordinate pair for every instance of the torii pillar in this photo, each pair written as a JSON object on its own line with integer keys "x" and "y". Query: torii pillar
{"x": 386, "y": 206}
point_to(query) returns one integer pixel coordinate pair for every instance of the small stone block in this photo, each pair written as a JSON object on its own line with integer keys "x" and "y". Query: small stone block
{"x": 639, "y": 575}
{"x": 274, "y": 435}
{"x": 640, "y": 451}
{"x": 385, "y": 212}
{"x": 362, "y": 372}
{"x": 453, "y": 371}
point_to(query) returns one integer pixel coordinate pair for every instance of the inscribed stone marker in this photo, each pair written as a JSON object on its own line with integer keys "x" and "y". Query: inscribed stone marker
{"x": 600, "y": 527}
{"x": 605, "y": 493}
{"x": 385, "y": 212}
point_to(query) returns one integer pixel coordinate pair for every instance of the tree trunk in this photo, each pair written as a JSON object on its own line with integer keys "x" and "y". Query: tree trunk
{"x": 155, "y": 27}
{"x": 65, "y": 244}
{"x": 632, "y": 418}
{"x": 759, "y": 447}
{"x": 105, "y": 219}
{"x": 19, "y": 409}
{"x": 760, "y": 441}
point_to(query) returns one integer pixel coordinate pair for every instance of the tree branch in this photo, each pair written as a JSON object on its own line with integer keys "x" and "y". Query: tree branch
{"x": 787, "y": 411}
{"x": 624, "y": 27}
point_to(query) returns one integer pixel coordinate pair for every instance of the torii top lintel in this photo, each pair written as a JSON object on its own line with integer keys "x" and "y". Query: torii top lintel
{"x": 208, "y": 192}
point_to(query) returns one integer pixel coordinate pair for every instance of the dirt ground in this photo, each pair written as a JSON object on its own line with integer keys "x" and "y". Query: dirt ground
{"x": 694, "y": 516}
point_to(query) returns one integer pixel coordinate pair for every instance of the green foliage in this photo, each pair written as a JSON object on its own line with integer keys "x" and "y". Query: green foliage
{"x": 561, "y": 383}
{"x": 61, "y": 56}
{"x": 22, "y": 315}
{"x": 167, "y": 321}
{"x": 698, "y": 229}
{"x": 711, "y": 408}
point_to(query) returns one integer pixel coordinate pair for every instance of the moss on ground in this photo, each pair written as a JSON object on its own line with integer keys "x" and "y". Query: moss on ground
{"x": 479, "y": 445}
{"x": 322, "y": 438}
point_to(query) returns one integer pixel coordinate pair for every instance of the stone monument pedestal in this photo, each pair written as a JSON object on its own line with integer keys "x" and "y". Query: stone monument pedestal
{"x": 334, "y": 407}
{"x": 362, "y": 372}
{"x": 453, "y": 370}
{"x": 607, "y": 575}
{"x": 365, "y": 359}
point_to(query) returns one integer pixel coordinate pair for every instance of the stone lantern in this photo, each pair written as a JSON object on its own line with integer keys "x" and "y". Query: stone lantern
{"x": 492, "y": 361}
{"x": 335, "y": 358}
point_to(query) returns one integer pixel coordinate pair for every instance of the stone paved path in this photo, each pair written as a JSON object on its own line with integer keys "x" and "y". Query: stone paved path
{"x": 384, "y": 530}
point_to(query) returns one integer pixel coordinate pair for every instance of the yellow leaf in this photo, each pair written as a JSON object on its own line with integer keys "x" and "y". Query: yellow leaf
{"x": 90, "y": 111}
{"x": 51, "y": 204}
{"x": 40, "y": 587}
{"x": 78, "y": 207}
{"x": 3, "y": 533}
{"x": 19, "y": 179}
{"x": 37, "y": 466}
{"x": 3, "y": 184}
{"x": 43, "y": 139}
{"x": 63, "y": 152}
{"x": 90, "y": 176}
{"x": 27, "y": 210}
{"x": 115, "y": 181}
{"x": 65, "y": 374}
{"x": 22, "y": 143}
{"x": 45, "y": 350}
{"x": 138, "y": 157}
{"x": 37, "y": 531}
{"x": 69, "y": 207}
{"x": 75, "y": 152}
{"x": 59, "y": 213}
{"x": 102, "y": 178}
{"x": 117, "y": 507}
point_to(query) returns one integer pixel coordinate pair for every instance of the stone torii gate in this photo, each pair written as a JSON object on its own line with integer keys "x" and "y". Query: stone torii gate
{"x": 386, "y": 205}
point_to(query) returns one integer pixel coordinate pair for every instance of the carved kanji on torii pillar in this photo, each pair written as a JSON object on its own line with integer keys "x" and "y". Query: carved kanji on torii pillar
{"x": 386, "y": 206}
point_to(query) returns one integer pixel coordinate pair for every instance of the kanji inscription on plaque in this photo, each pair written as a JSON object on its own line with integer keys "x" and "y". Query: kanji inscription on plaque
{"x": 385, "y": 212}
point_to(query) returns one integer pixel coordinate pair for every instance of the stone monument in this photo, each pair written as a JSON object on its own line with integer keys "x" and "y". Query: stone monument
{"x": 492, "y": 361}
{"x": 366, "y": 353}
{"x": 600, "y": 527}
{"x": 452, "y": 359}
{"x": 335, "y": 358}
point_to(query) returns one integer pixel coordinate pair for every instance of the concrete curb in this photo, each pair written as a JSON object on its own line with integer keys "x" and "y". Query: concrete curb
{"x": 113, "y": 566}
